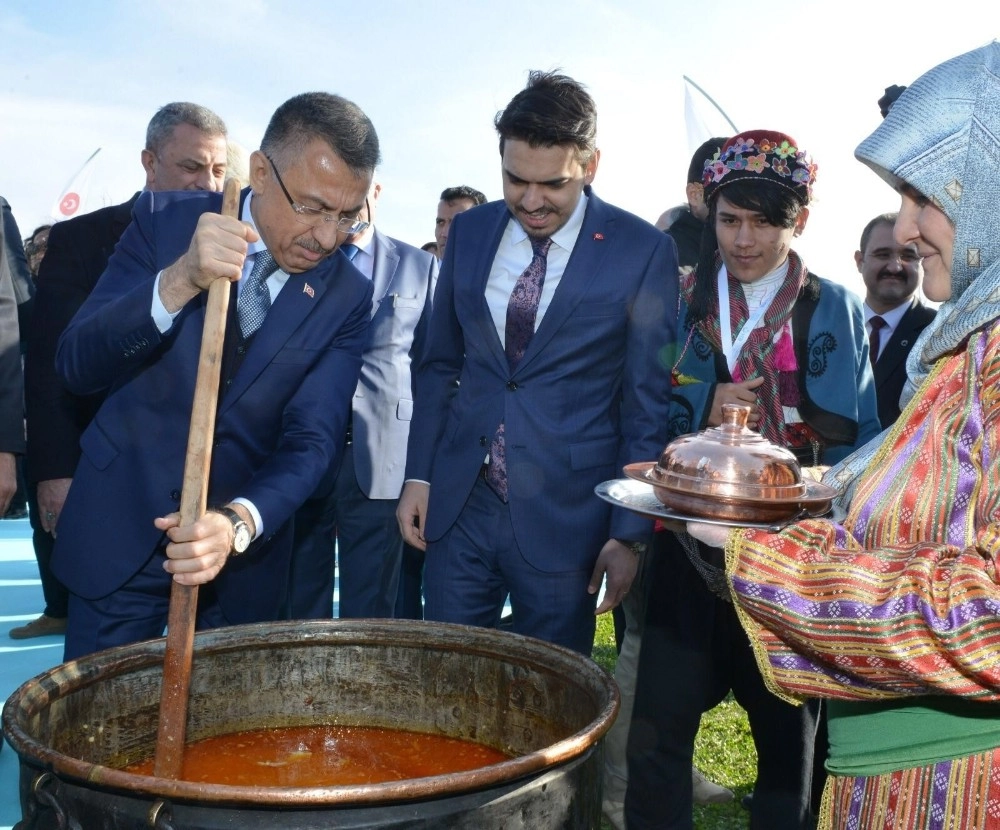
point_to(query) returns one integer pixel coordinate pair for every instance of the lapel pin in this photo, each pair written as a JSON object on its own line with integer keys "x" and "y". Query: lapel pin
{"x": 599, "y": 237}
{"x": 308, "y": 289}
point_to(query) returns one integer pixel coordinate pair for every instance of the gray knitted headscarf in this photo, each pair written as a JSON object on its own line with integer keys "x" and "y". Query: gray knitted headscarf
{"x": 942, "y": 137}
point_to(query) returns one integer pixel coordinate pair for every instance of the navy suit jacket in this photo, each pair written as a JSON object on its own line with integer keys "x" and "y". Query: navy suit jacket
{"x": 403, "y": 279}
{"x": 890, "y": 368}
{"x": 591, "y": 393}
{"x": 280, "y": 421}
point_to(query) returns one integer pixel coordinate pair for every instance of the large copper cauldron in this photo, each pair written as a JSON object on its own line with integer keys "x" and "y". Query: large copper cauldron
{"x": 76, "y": 725}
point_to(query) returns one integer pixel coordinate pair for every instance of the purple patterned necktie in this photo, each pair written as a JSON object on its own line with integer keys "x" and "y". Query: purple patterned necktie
{"x": 522, "y": 310}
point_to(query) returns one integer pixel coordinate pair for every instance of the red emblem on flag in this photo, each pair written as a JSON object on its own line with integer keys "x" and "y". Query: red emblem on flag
{"x": 308, "y": 289}
{"x": 70, "y": 204}
{"x": 599, "y": 237}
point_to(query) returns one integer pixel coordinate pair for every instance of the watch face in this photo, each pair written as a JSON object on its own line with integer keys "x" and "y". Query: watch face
{"x": 241, "y": 537}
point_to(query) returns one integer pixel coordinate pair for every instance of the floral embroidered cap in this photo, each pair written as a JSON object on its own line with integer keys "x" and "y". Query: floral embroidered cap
{"x": 761, "y": 155}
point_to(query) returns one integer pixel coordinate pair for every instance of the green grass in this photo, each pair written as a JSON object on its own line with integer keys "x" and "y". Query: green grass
{"x": 724, "y": 749}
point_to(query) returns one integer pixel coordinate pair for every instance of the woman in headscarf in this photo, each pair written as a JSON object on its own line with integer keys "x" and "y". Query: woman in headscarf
{"x": 893, "y": 612}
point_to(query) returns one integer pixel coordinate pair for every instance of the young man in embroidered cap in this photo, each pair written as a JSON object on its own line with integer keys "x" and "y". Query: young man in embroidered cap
{"x": 758, "y": 329}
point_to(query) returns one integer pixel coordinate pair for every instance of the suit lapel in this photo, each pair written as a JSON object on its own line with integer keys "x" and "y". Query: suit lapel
{"x": 897, "y": 348}
{"x": 386, "y": 261}
{"x": 482, "y": 267}
{"x": 299, "y": 296}
{"x": 585, "y": 262}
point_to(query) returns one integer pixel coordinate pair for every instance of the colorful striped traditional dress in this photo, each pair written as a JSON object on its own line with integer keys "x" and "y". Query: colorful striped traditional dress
{"x": 894, "y": 615}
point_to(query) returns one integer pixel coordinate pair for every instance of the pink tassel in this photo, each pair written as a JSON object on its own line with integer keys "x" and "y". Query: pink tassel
{"x": 784, "y": 353}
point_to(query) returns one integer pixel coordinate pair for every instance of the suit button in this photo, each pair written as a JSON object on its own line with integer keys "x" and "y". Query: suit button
{"x": 482, "y": 440}
{"x": 229, "y": 382}
{"x": 511, "y": 385}
{"x": 241, "y": 349}
{"x": 175, "y": 495}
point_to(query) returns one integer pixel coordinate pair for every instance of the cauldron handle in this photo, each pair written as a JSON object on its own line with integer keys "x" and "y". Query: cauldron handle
{"x": 172, "y": 730}
{"x": 160, "y": 816}
{"x": 48, "y": 797}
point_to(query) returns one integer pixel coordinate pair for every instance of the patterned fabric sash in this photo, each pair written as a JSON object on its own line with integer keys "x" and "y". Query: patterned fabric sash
{"x": 767, "y": 352}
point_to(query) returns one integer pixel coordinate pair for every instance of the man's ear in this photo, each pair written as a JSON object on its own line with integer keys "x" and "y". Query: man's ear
{"x": 149, "y": 165}
{"x": 259, "y": 168}
{"x": 591, "y": 169}
{"x": 800, "y": 223}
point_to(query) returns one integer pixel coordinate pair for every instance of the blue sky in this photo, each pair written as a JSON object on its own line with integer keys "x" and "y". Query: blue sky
{"x": 431, "y": 75}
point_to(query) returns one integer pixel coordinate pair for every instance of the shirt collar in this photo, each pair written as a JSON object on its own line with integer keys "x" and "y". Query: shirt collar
{"x": 247, "y": 216}
{"x": 891, "y": 317}
{"x": 566, "y": 236}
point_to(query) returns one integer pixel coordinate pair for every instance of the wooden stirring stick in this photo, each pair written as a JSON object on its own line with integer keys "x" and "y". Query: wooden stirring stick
{"x": 171, "y": 734}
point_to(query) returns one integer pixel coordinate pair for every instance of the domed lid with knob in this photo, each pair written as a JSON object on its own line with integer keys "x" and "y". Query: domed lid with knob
{"x": 730, "y": 461}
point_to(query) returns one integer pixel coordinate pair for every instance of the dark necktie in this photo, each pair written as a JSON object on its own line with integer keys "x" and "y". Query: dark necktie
{"x": 255, "y": 300}
{"x": 522, "y": 309}
{"x": 875, "y": 338}
{"x": 350, "y": 251}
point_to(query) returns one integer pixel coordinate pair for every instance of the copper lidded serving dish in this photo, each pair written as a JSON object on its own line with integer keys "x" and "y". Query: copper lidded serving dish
{"x": 732, "y": 473}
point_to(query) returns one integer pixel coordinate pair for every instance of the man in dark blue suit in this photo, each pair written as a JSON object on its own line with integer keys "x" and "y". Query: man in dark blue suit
{"x": 547, "y": 355}
{"x": 892, "y": 274}
{"x": 296, "y": 332}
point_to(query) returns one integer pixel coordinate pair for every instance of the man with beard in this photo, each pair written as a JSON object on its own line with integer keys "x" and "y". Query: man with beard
{"x": 894, "y": 315}
{"x": 546, "y": 370}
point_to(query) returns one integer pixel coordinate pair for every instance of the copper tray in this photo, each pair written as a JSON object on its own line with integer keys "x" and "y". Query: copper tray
{"x": 640, "y": 498}
{"x": 816, "y": 501}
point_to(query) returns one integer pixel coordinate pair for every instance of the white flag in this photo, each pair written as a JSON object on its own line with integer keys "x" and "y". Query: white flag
{"x": 703, "y": 117}
{"x": 73, "y": 197}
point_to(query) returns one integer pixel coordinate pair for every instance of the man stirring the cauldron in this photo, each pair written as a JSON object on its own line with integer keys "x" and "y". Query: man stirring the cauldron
{"x": 297, "y": 326}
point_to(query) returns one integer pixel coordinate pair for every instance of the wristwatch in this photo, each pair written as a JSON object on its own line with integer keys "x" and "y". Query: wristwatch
{"x": 638, "y": 548}
{"x": 241, "y": 530}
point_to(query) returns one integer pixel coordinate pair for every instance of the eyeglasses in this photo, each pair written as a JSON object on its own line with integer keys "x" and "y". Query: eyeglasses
{"x": 314, "y": 216}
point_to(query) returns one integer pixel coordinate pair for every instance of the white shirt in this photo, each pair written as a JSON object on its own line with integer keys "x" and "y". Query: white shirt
{"x": 165, "y": 319}
{"x": 514, "y": 255}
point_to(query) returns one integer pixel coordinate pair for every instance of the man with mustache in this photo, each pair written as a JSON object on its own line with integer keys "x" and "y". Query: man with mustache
{"x": 546, "y": 370}
{"x": 185, "y": 149}
{"x": 298, "y": 323}
{"x": 894, "y": 315}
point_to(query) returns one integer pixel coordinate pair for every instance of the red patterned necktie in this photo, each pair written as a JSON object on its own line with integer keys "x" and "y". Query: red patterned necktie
{"x": 875, "y": 338}
{"x": 522, "y": 310}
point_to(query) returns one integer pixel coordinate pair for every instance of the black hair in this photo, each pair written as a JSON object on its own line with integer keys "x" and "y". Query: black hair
{"x": 704, "y": 153}
{"x": 778, "y": 205}
{"x": 551, "y": 110}
{"x": 463, "y": 191}
{"x": 333, "y": 119}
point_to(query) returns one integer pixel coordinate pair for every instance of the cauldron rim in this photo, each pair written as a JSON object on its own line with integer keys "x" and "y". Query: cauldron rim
{"x": 34, "y": 694}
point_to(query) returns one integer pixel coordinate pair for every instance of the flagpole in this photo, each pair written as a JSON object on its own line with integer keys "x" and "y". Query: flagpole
{"x": 711, "y": 100}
